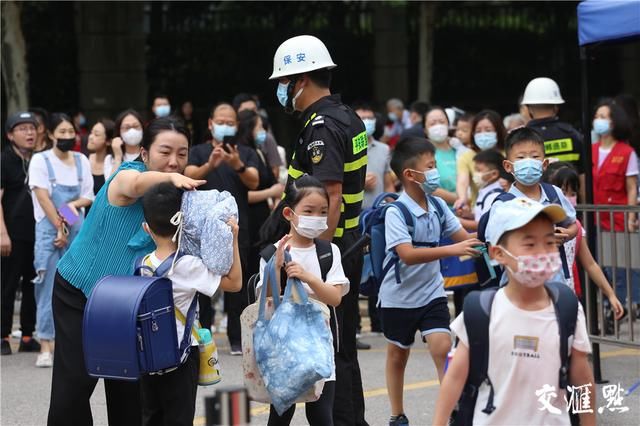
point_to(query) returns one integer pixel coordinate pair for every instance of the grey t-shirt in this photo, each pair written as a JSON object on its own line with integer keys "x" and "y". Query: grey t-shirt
{"x": 378, "y": 158}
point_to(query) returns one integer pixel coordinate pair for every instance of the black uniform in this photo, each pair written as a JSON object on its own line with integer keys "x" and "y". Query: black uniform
{"x": 17, "y": 268}
{"x": 332, "y": 147}
{"x": 561, "y": 141}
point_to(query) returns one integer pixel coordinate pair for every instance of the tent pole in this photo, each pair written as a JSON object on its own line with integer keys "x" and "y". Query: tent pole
{"x": 589, "y": 216}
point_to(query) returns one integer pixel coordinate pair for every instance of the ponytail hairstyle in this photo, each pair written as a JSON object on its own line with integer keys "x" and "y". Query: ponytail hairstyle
{"x": 276, "y": 226}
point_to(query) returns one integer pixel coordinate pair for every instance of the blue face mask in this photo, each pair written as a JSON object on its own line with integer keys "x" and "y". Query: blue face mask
{"x": 369, "y": 125}
{"x": 392, "y": 116}
{"x": 163, "y": 110}
{"x": 431, "y": 181}
{"x": 261, "y": 137}
{"x": 527, "y": 171}
{"x": 601, "y": 126}
{"x": 282, "y": 94}
{"x": 219, "y": 131}
{"x": 485, "y": 140}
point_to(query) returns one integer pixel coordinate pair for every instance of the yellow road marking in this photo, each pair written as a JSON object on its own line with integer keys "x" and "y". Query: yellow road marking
{"x": 264, "y": 408}
{"x": 620, "y": 352}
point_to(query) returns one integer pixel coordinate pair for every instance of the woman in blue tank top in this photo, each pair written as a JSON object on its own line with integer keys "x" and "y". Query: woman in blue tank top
{"x": 108, "y": 243}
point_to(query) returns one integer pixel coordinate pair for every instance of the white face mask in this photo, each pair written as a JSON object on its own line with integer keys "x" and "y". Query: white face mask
{"x": 132, "y": 137}
{"x": 310, "y": 226}
{"x": 438, "y": 133}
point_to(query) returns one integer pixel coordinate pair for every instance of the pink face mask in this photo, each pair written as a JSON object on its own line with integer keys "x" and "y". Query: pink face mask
{"x": 534, "y": 270}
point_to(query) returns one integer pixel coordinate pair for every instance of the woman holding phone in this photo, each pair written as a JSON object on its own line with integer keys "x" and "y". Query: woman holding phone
{"x": 61, "y": 185}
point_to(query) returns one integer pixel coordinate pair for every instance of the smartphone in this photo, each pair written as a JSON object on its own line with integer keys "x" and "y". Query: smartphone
{"x": 68, "y": 215}
{"x": 227, "y": 142}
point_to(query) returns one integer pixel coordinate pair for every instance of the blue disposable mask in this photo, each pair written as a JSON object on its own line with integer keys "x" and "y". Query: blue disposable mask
{"x": 392, "y": 116}
{"x": 527, "y": 171}
{"x": 162, "y": 110}
{"x": 431, "y": 181}
{"x": 219, "y": 131}
{"x": 282, "y": 94}
{"x": 485, "y": 140}
{"x": 601, "y": 126}
{"x": 261, "y": 137}
{"x": 369, "y": 125}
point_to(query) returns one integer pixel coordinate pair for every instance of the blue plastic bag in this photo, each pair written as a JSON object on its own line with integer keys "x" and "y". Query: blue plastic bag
{"x": 294, "y": 349}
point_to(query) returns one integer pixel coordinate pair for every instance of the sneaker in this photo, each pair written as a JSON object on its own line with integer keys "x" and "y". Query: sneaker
{"x": 400, "y": 420}
{"x": 6, "y": 347}
{"x": 30, "y": 345}
{"x": 360, "y": 345}
{"x": 45, "y": 360}
{"x": 236, "y": 350}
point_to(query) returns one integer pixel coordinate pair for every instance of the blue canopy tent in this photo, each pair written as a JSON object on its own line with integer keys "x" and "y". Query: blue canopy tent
{"x": 600, "y": 22}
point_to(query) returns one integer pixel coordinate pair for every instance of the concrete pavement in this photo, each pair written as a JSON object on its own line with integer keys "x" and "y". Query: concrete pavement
{"x": 25, "y": 389}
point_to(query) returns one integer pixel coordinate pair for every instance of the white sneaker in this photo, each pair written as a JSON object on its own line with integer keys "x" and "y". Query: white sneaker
{"x": 45, "y": 360}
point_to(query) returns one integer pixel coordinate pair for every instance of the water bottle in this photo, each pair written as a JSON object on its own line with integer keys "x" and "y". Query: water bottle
{"x": 209, "y": 363}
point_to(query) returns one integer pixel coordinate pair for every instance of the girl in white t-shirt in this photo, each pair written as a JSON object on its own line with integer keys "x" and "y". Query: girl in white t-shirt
{"x": 564, "y": 176}
{"x": 61, "y": 185}
{"x": 305, "y": 208}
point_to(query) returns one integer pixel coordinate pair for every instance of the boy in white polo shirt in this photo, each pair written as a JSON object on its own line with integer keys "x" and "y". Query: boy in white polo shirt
{"x": 523, "y": 336}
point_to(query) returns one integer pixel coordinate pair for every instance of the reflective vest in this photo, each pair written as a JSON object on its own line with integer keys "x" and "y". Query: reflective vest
{"x": 610, "y": 182}
{"x": 344, "y": 123}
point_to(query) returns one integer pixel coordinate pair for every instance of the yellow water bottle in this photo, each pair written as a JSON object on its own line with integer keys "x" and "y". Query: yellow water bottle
{"x": 209, "y": 363}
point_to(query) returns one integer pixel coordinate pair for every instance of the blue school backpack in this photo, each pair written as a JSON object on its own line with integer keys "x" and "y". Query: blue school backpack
{"x": 477, "y": 315}
{"x": 372, "y": 223}
{"x": 129, "y": 326}
{"x": 489, "y": 277}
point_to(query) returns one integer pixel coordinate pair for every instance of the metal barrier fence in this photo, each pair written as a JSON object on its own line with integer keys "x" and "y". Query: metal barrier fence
{"x": 618, "y": 254}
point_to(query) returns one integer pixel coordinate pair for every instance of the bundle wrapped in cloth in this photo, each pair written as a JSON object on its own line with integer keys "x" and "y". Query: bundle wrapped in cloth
{"x": 204, "y": 232}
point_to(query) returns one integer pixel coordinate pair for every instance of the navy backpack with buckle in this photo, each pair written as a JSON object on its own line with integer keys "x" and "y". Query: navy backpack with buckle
{"x": 129, "y": 326}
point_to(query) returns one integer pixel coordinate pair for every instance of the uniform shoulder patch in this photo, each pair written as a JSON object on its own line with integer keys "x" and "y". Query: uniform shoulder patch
{"x": 316, "y": 151}
{"x": 319, "y": 119}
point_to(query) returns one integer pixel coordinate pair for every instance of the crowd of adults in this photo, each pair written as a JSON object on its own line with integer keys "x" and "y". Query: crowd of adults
{"x": 54, "y": 165}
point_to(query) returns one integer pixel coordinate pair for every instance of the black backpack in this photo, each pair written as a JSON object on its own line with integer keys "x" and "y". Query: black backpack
{"x": 488, "y": 278}
{"x": 477, "y": 311}
{"x": 325, "y": 258}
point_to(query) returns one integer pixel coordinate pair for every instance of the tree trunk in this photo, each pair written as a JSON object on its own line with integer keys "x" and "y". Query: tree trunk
{"x": 425, "y": 50}
{"x": 14, "y": 61}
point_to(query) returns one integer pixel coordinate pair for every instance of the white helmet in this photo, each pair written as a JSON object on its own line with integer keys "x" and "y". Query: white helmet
{"x": 299, "y": 55}
{"x": 542, "y": 91}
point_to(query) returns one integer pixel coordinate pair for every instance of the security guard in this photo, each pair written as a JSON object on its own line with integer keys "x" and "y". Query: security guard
{"x": 561, "y": 141}
{"x": 332, "y": 146}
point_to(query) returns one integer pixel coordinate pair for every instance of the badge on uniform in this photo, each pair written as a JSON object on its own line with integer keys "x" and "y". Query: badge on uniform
{"x": 316, "y": 150}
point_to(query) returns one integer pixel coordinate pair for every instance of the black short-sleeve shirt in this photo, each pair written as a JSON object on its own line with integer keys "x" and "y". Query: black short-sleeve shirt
{"x": 16, "y": 198}
{"x": 224, "y": 178}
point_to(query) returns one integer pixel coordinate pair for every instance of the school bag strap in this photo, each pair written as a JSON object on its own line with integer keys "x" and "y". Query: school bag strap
{"x": 477, "y": 315}
{"x": 552, "y": 196}
{"x": 484, "y": 199}
{"x": 565, "y": 304}
{"x": 409, "y": 221}
{"x": 324, "y": 251}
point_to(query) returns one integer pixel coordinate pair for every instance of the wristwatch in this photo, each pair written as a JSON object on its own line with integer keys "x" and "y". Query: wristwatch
{"x": 241, "y": 169}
